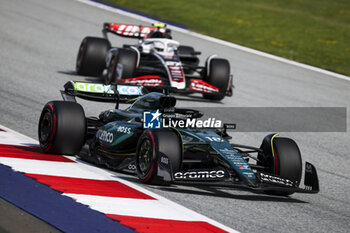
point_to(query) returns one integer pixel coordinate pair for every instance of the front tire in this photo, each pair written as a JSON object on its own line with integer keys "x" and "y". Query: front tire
{"x": 218, "y": 75}
{"x": 91, "y": 59}
{"x": 282, "y": 157}
{"x": 62, "y": 128}
{"x": 153, "y": 144}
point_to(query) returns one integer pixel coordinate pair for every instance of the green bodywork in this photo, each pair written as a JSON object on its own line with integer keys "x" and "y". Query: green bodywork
{"x": 122, "y": 129}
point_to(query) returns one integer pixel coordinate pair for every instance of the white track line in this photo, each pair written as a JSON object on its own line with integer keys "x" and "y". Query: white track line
{"x": 146, "y": 208}
{"x": 16, "y": 138}
{"x": 160, "y": 207}
{"x": 215, "y": 40}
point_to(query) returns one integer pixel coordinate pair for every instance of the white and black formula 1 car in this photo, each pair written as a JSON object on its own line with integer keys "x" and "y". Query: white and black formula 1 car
{"x": 156, "y": 61}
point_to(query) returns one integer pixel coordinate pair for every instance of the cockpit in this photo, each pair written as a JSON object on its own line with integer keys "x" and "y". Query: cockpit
{"x": 162, "y": 46}
{"x": 153, "y": 101}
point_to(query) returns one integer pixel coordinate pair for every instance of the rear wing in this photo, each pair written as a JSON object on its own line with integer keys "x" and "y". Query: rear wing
{"x": 130, "y": 30}
{"x": 102, "y": 93}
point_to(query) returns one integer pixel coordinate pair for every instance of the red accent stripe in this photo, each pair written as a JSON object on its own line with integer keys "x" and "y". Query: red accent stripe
{"x": 154, "y": 148}
{"x": 276, "y": 163}
{"x": 2, "y": 130}
{"x": 204, "y": 83}
{"x": 150, "y": 174}
{"x": 143, "y": 77}
{"x": 54, "y": 125}
{"x": 154, "y": 225}
{"x": 106, "y": 188}
{"x": 29, "y": 152}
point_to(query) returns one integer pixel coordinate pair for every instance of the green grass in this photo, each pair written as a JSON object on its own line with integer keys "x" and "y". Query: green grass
{"x": 315, "y": 32}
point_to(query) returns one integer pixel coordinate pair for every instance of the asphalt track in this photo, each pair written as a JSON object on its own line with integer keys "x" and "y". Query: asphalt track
{"x": 38, "y": 45}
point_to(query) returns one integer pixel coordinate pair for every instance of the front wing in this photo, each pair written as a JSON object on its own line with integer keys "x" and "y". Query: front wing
{"x": 221, "y": 177}
{"x": 192, "y": 86}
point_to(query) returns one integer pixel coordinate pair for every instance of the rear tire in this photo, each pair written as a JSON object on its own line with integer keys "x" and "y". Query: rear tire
{"x": 91, "y": 59}
{"x": 218, "y": 75}
{"x": 153, "y": 144}
{"x": 62, "y": 128}
{"x": 125, "y": 57}
{"x": 283, "y": 160}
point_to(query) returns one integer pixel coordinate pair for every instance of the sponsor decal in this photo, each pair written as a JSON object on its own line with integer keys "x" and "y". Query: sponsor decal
{"x": 275, "y": 179}
{"x": 132, "y": 167}
{"x": 243, "y": 166}
{"x": 150, "y": 80}
{"x": 215, "y": 138}
{"x": 124, "y": 129}
{"x": 200, "y": 85}
{"x": 93, "y": 87}
{"x": 249, "y": 174}
{"x": 132, "y": 30}
{"x": 233, "y": 156}
{"x": 107, "y": 89}
{"x": 164, "y": 160}
{"x": 191, "y": 175}
{"x": 308, "y": 168}
{"x": 175, "y": 71}
{"x": 106, "y": 136}
{"x": 129, "y": 90}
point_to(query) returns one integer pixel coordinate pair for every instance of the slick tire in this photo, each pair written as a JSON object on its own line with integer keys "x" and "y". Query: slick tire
{"x": 151, "y": 146}
{"x": 127, "y": 58}
{"x": 283, "y": 159}
{"x": 62, "y": 128}
{"x": 218, "y": 75}
{"x": 91, "y": 59}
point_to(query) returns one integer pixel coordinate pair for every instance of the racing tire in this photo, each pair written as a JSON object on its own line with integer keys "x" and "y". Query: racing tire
{"x": 283, "y": 158}
{"x": 91, "y": 59}
{"x": 125, "y": 57}
{"x": 152, "y": 145}
{"x": 62, "y": 128}
{"x": 218, "y": 75}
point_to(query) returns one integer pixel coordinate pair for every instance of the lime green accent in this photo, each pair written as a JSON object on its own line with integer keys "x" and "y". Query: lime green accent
{"x": 223, "y": 161}
{"x": 160, "y": 25}
{"x": 94, "y": 88}
{"x": 315, "y": 32}
{"x": 272, "y": 151}
{"x": 133, "y": 100}
{"x": 197, "y": 148}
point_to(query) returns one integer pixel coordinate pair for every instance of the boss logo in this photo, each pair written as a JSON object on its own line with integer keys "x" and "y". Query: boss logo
{"x": 106, "y": 136}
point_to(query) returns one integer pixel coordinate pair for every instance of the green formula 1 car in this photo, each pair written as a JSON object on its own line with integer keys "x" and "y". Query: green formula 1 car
{"x": 163, "y": 144}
